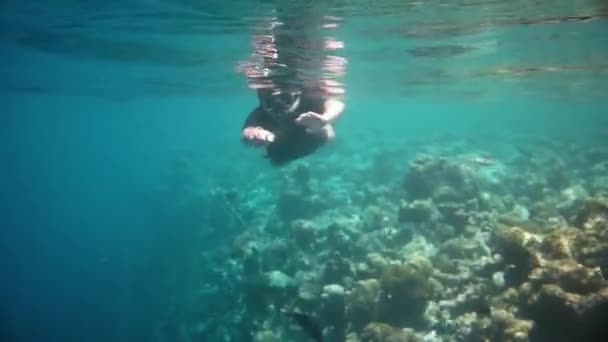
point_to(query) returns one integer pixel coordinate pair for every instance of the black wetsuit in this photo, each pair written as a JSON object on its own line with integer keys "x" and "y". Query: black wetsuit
{"x": 291, "y": 140}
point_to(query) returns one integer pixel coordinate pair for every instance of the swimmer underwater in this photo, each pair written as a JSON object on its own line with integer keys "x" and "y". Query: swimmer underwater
{"x": 295, "y": 113}
{"x": 291, "y": 123}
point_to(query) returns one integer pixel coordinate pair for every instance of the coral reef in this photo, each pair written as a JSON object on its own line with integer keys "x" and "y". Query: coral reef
{"x": 455, "y": 250}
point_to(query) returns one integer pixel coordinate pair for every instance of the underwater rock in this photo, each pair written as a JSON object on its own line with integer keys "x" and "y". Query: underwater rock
{"x": 471, "y": 327}
{"x": 454, "y": 214}
{"x": 247, "y": 251}
{"x": 444, "y": 197}
{"x": 534, "y": 189}
{"x": 382, "y": 332}
{"x": 498, "y": 278}
{"x": 546, "y": 217}
{"x": 459, "y": 248}
{"x": 417, "y": 211}
{"x": 308, "y": 294}
{"x": 375, "y": 195}
{"x": 404, "y": 292}
{"x": 446, "y": 267}
{"x": 491, "y": 202}
{"x": 340, "y": 235}
{"x": 275, "y": 253}
{"x": 563, "y": 286}
{"x": 362, "y": 302}
{"x": 296, "y": 200}
{"x": 590, "y": 244}
{"x": 258, "y": 295}
{"x": 445, "y": 194}
{"x": 516, "y": 247}
{"x": 419, "y": 246}
{"x": 518, "y": 214}
{"x": 506, "y": 327}
{"x": 395, "y": 237}
{"x": 266, "y": 336}
{"x": 558, "y": 244}
{"x": 371, "y": 242}
{"x": 439, "y": 232}
{"x": 376, "y": 262}
{"x": 334, "y": 311}
{"x": 308, "y": 324}
{"x": 294, "y": 205}
{"x": 279, "y": 280}
{"x": 523, "y": 260}
{"x": 333, "y": 290}
{"x": 429, "y": 176}
{"x": 375, "y": 218}
{"x": 562, "y": 316}
{"x": 363, "y": 271}
{"x": 591, "y": 248}
{"x": 570, "y": 201}
{"x": 568, "y": 275}
{"x": 268, "y": 290}
{"x": 418, "y": 180}
{"x": 592, "y": 212}
{"x": 304, "y": 233}
{"x": 337, "y": 268}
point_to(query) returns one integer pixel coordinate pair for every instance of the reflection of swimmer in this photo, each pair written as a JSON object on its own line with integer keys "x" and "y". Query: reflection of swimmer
{"x": 291, "y": 123}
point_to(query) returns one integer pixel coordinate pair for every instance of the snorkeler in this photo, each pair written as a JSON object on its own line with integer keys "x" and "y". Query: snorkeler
{"x": 291, "y": 123}
{"x": 296, "y": 110}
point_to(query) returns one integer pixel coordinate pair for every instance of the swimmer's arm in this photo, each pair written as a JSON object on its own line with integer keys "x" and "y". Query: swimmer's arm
{"x": 254, "y": 129}
{"x": 332, "y": 110}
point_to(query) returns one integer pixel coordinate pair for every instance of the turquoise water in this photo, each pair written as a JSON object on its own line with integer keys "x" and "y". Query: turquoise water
{"x": 125, "y": 182}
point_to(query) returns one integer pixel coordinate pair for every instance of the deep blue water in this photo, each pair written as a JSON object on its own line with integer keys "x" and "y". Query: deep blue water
{"x": 89, "y": 131}
{"x": 74, "y": 207}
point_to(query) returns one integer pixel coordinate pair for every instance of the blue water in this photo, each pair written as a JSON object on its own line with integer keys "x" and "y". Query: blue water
{"x": 96, "y": 108}
{"x": 75, "y": 208}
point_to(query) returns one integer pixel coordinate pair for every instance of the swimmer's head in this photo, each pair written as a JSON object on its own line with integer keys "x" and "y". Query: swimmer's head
{"x": 277, "y": 100}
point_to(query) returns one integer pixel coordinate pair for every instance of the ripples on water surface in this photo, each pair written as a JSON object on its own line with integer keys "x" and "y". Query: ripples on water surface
{"x": 467, "y": 49}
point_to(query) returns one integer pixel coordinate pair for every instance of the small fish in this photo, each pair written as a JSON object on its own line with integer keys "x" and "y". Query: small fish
{"x": 308, "y": 324}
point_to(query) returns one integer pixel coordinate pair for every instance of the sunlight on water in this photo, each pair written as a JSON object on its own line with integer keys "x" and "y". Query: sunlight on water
{"x": 427, "y": 48}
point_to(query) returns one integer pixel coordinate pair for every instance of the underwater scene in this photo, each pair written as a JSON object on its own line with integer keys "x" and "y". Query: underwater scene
{"x": 282, "y": 170}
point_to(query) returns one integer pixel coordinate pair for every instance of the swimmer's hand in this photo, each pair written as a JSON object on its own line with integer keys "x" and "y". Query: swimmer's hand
{"x": 257, "y": 136}
{"x": 313, "y": 122}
